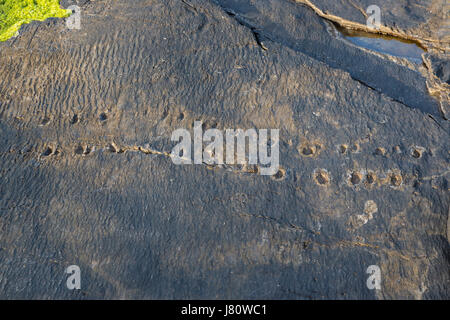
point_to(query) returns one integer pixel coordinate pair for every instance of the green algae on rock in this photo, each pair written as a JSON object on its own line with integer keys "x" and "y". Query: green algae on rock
{"x": 15, "y": 13}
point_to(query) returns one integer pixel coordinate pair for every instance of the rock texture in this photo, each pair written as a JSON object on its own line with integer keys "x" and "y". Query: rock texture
{"x": 85, "y": 123}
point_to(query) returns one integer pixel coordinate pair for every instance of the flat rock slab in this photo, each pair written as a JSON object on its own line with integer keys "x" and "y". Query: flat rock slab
{"x": 422, "y": 19}
{"x": 86, "y": 118}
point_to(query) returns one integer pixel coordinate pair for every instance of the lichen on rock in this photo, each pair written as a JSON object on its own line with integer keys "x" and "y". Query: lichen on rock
{"x": 15, "y": 13}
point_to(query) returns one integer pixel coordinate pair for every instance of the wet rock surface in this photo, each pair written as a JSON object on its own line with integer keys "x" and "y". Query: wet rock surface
{"x": 424, "y": 20}
{"x": 85, "y": 123}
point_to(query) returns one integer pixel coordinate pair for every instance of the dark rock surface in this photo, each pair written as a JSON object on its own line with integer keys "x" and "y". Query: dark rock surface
{"x": 85, "y": 123}
{"x": 424, "y": 19}
{"x": 441, "y": 67}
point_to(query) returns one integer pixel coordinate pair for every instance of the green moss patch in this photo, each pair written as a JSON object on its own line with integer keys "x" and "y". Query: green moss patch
{"x": 15, "y": 13}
